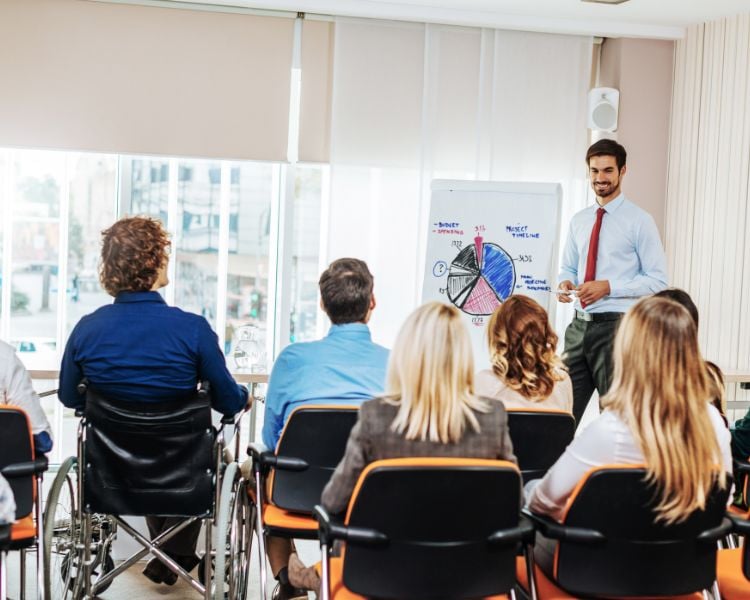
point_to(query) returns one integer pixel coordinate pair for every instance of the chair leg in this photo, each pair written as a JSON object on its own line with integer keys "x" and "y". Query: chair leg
{"x": 3, "y": 588}
{"x": 22, "y": 568}
{"x": 325, "y": 568}
{"x": 261, "y": 538}
{"x": 530, "y": 571}
{"x": 210, "y": 571}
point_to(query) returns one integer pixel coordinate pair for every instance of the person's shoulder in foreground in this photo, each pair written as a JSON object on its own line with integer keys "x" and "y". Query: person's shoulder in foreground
{"x": 16, "y": 389}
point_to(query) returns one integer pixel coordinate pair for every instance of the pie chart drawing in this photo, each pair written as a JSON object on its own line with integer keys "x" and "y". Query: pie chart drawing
{"x": 480, "y": 278}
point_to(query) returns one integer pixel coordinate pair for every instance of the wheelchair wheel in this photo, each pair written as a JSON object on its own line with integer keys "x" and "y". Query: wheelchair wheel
{"x": 63, "y": 539}
{"x": 61, "y": 536}
{"x": 232, "y": 538}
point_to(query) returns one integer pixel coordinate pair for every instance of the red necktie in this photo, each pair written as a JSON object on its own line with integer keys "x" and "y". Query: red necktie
{"x": 593, "y": 248}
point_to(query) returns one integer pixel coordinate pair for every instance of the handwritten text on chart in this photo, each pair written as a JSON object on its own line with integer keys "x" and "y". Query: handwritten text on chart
{"x": 478, "y": 321}
{"x": 447, "y": 228}
{"x": 439, "y": 269}
{"x": 521, "y": 231}
{"x": 534, "y": 284}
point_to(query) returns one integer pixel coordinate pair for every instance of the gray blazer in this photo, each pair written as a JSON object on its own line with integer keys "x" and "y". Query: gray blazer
{"x": 371, "y": 439}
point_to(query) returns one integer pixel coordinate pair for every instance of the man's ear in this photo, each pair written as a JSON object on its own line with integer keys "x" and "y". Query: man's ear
{"x": 373, "y": 304}
{"x": 623, "y": 170}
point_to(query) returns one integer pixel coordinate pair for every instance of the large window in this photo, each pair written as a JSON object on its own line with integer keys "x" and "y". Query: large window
{"x": 223, "y": 218}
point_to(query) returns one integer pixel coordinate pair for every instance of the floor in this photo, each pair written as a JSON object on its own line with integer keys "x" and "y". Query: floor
{"x": 132, "y": 585}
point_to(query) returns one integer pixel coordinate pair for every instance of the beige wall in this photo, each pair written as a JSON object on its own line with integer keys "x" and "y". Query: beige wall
{"x": 642, "y": 71}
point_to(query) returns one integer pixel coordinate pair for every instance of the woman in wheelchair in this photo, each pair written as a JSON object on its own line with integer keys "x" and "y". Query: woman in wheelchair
{"x": 657, "y": 413}
{"x": 138, "y": 349}
{"x": 526, "y": 371}
{"x": 429, "y": 409}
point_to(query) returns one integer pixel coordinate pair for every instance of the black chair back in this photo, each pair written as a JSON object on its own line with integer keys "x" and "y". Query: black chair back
{"x": 640, "y": 557}
{"x": 17, "y": 447}
{"x": 149, "y": 458}
{"x": 443, "y": 520}
{"x": 539, "y": 438}
{"x": 316, "y": 435}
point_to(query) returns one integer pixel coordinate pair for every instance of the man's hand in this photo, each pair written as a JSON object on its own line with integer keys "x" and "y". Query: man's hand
{"x": 591, "y": 291}
{"x": 565, "y": 286}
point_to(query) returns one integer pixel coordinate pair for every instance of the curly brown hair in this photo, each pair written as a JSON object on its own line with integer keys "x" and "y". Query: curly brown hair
{"x": 133, "y": 251}
{"x": 522, "y": 348}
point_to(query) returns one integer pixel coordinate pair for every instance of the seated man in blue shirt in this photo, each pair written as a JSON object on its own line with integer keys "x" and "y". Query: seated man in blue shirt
{"x": 138, "y": 349}
{"x": 345, "y": 367}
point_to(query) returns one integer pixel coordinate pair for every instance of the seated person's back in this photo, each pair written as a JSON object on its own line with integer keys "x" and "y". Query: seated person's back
{"x": 138, "y": 349}
{"x": 16, "y": 390}
{"x": 657, "y": 412}
{"x": 345, "y": 367}
{"x": 429, "y": 408}
{"x": 526, "y": 372}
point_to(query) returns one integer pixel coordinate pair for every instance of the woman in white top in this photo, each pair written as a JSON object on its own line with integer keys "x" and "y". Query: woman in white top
{"x": 526, "y": 372}
{"x": 657, "y": 412}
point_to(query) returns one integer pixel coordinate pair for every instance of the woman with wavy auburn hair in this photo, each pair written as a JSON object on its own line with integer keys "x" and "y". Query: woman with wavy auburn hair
{"x": 526, "y": 371}
{"x": 429, "y": 409}
{"x": 657, "y": 412}
{"x": 140, "y": 350}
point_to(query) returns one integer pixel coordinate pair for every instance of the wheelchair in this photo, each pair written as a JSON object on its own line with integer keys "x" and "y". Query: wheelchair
{"x": 138, "y": 459}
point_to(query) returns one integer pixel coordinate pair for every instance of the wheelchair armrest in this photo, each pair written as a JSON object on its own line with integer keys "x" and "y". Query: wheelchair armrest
{"x": 80, "y": 413}
{"x": 557, "y": 531}
{"x": 523, "y": 532}
{"x": 739, "y": 525}
{"x": 23, "y": 469}
{"x": 328, "y": 530}
{"x": 711, "y": 536}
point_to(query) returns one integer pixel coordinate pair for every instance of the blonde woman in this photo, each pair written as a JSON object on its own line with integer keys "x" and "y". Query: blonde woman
{"x": 657, "y": 412}
{"x": 526, "y": 371}
{"x": 429, "y": 409}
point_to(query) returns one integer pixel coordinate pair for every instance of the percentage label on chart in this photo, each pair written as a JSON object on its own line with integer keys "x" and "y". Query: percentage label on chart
{"x": 524, "y": 258}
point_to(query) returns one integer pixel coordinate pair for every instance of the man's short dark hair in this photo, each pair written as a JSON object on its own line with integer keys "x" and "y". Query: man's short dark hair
{"x": 682, "y": 298}
{"x": 346, "y": 290}
{"x": 608, "y": 148}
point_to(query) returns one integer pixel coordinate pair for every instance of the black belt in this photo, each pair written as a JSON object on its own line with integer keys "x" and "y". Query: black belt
{"x": 598, "y": 317}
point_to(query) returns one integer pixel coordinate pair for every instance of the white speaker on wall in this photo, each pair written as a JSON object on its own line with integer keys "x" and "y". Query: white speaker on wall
{"x": 603, "y": 106}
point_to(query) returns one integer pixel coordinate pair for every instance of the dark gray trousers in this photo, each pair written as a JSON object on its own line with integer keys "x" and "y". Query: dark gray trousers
{"x": 588, "y": 356}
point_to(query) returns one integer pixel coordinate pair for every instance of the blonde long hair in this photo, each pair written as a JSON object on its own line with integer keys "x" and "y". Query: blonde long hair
{"x": 522, "y": 347}
{"x": 431, "y": 376}
{"x": 661, "y": 390}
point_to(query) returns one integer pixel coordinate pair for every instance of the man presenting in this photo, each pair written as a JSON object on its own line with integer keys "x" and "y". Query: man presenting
{"x": 612, "y": 257}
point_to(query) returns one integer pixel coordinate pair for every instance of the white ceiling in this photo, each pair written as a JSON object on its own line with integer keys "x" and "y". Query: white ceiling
{"x": 635, "y": 18}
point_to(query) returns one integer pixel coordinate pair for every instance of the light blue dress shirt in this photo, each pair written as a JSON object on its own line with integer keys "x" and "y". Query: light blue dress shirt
{"x": 345, "y": 367}
{"x": 631, "y": 256}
